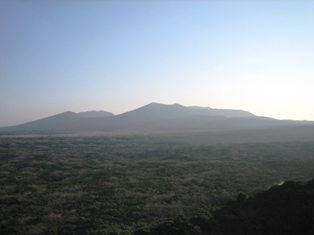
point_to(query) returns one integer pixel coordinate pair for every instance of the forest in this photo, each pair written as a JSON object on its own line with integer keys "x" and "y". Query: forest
{"x": 148, "y": 185}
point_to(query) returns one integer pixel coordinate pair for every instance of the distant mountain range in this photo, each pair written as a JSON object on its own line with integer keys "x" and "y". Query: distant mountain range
{"x": 152, "y": 117}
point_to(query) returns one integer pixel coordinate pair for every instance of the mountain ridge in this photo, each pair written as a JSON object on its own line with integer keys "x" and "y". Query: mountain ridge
{"x": 152, "y": 117}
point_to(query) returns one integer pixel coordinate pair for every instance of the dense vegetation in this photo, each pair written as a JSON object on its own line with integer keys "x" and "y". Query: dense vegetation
{"x": 286, "y": 209}
{"x": 141, "y": 185}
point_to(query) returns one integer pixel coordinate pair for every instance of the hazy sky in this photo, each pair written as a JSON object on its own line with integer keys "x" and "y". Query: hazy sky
{"x": 116, "y": 56}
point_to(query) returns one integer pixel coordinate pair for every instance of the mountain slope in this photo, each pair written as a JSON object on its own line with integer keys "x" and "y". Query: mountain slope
{"x": 63, "y": 121}
{"x": 223, "y": 112}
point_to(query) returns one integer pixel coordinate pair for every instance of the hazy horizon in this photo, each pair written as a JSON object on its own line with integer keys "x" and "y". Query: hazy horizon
{"x": 117, "y": 56}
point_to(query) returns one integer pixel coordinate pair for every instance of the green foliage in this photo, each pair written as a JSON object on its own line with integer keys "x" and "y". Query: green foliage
{"x": 286, "y": 209}
{"x": 138, "y": 184}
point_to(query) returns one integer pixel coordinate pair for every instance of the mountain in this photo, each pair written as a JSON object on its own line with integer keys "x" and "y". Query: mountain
{"x": 95, "y": 114}
{"x": 155, "y": 111}
{"x": 152, "y": 117}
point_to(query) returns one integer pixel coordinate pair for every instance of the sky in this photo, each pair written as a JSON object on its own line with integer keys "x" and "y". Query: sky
{"x": 116, "y": 56}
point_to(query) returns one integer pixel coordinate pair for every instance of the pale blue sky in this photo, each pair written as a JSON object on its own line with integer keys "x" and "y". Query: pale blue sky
{"x": 116, "y": 56}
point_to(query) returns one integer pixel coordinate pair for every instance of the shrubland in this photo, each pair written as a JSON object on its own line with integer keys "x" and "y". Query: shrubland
{"x": 143, "y": 184}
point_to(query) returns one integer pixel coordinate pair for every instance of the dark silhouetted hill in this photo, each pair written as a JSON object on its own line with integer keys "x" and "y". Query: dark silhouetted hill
{"x": 282, "y": 210}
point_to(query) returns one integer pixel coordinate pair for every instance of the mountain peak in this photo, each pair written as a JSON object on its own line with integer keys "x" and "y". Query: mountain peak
{"x": 95, "y": 114}
{"x": 159, "y": 105}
